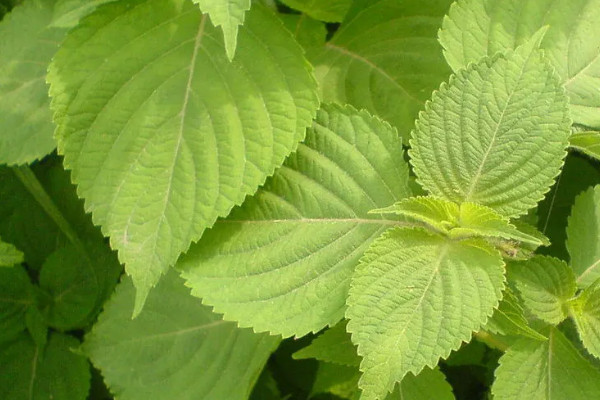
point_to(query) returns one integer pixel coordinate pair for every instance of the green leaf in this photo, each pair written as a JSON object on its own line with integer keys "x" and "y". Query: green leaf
{"x": 509, "y": 319}
{"x": 428, "y": 384}
{"x": 229, "y": 15}
{"x": 77, "y": 284}
{"x": 37, "y": 327}
{"x": 416, "y": 296}
{"x": 480, "y": 137}
{"x": 585, "y": 311}
{"x": 9, "y": 255}
{"x": 546, "y": 285}
{"x": 587, "y": 143}
{"x": 55, "y": 373}
{"x": 175, "y": 349}
{"x": 67, "y": 13}
{"x": 308, "y": 32}
{"x": 476, "y": 28}
{"x": 385, "y": 58}
{"x": 17, "y": 296}
{"x": 583, "y": 236}
{"x": 339, "y": 380}
{"x": 283, "y": 261}
{"x": 550, "y": 370}
{"x": 333, "y": 346}
{"x": 323, "y": 10}
{"x": 162, "y": 132}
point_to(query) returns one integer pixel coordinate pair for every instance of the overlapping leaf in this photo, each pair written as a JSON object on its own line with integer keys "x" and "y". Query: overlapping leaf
{"x": 587, "y": 143}
{"x": 583, "y": 236}
{"x": 476, "y": 28}
{"x": 9, "y": 255}
{"x": 550, "y": 370}
{"x": 162, "y": 132}
{"x": 333, "y": 346}
{"x": 323, "y": 10}
{"x": 283, "y": 261}
{"x": 17, "y": 297}
{"x": 416, "y": 296}
{"x": 385, "y": 58}
{"x": 175, "y": 349}
{"x": 495, "y": 135}
{"x": 585, "y": 310}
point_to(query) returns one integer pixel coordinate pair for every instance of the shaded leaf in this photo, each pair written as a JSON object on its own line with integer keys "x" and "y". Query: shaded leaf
{"x": 585, "y": 311}
{"x": 9, "y": 255}
{"x": 16, "y": 297}
{"x": 333, "y": 346}
{"x": 322, "y": 10}
{"x": 587, "y": 143}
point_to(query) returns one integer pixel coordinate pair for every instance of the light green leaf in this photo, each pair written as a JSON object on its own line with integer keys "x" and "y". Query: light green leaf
{"x": 333, "y": 346}
{"x": 583, "y": 236}
{"x": 55, "y": 373}
{"x": 550, "y": 370}
{"x": 175, "y": 349}
{"x": 307, "y": 31}
{"x": 416, "y": 296}
{"x": 164, "y": 134}
{"x": 67, "y": 13}
{"x": 229, "y": 15}
{"x": 480, "y": 137}
{"x": 546, "y": 285}
{"x": 283, "y": 261}
{"x": 427, "y": 385}
{"x": 509, "y": 319}
{"x": 17, "y": 297}
{"x": 385, "y": 58}
{"x": 323, "y": 10}
{"x": 586, "y": 142}
{"x": 476, "y": 28}
{"x": 339, "y": 380}
{"x": 9, "y": 255}
{"x": 585, "y": 311}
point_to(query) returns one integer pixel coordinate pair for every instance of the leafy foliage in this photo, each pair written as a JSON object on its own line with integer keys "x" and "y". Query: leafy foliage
{"x": 9, "y": 255}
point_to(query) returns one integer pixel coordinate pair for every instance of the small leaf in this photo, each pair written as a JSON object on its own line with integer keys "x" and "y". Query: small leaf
{"x": 333, "y": 346}
{"x": 55, "y": 373}
{"x": 17, "y": 297}
{"x": 585, "y": 310}
{"x": 546, "y": 285}
{"x": 283, "y": 261}
{"x": 175, "y": 349}
{"x": 9, "y": 255}
{"x": 164, "y": 134}
{"x": 583, "y": 236}
{"x": 550, "y": 370}
{"x": 480, "y": 137}
{"x": 229, "y": 15}
{"x": 586, "y": 142}
{"x": 415, "y": 296}
{"x": 323, "y": 10}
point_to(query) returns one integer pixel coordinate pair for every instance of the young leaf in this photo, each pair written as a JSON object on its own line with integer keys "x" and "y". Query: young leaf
{"x": 416, "y": 296}
{"x": 385, "y": 58}
{"x": 476, "y": 28}
{"x": 323, "y": 10}
{"x": 9, "y": 255}
{"x": 229, "y": 15}
{"x": 583, "y": 236}
{"x": 283, "y": 261}
{"x": 586, "y": 142}
{"x": 585, "y": 311}
{"x": 333, "y": 346}
{"x": 550, "y": 370}
{"x": 162, "y": 132}
{"x": 480, "y": 137}
{"x": 175, "y": 349}
{"x": 17, "y": 297}
{"x": 546, "y": 285}
{"x": 55, "y": 373}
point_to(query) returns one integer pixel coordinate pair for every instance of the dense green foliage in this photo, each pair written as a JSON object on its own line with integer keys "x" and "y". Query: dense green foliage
{"x": 299, "y": 199}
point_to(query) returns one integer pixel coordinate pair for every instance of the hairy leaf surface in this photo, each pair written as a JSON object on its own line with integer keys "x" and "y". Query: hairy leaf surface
{"x": 496, "y": 134}
{"x": 175, "y": 349}
{"x": 9, "y": 255}
{"x": 164, "y": 134}
{"x": 550, "y": 370}
{"x": 585, "y": 310}
{"x": 333, "y": 346}
{"x": 416, "y": 296}
{"x": 323, "y": 10}
{"x": 476, "y": 28}
{"x": 283, "y": 261}
{"x": 583, "y": 236}
{"x": 385, "y": 58}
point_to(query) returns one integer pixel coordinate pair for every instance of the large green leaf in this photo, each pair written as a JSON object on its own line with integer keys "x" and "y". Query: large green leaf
{"x": 283, "y": 261}
{"x": 476, "y": 28}
{"x": 385, "y": 58}
{"x": 67, "y": 13}
{"x": 55, "y": 372}
{"x": 586, "y": 142}
{"x": 416, "y": 296}
{"x": 585, "y": 310}
{"x": 229, "y": 15}
{"x": 323, "y": 10}
{"x": 9, "y": 255}
{"x": 546, "y": 285}
{"x": 583, "y": 236}
{"x": 175, "y": 349}
{"x": 16, "y": 297}
{"x": 481, "y": 135}
{"x": 550, "y": 370}
{"x": 162, "y": 132}
{"x": 333, "y": 346}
